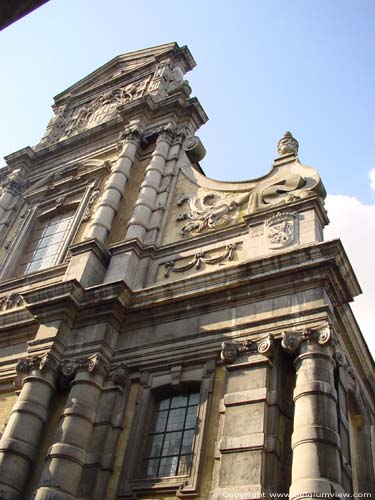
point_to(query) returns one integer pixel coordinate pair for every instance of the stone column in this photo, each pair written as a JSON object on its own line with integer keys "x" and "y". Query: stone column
{"x": 316, "y": 467}
{"x": 105, "y": 437}
{"x": 115, "y": 187}
{"x": 19, "y": 443}
{"x": 145, "y": 203}
{"x": 62, "y": 472}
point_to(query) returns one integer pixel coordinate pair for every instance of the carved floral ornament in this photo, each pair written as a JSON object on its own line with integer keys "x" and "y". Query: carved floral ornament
{"x": 68, "y": 368}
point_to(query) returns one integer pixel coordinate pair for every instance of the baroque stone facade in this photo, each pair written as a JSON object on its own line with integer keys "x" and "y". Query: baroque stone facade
{"x": 163, "y": 334}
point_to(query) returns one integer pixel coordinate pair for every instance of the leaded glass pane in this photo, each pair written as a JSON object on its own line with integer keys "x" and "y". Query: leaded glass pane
{"x": 171, "y": 438}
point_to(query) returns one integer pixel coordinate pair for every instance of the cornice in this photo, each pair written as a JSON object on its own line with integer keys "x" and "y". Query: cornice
{"x": 328, "y": 255}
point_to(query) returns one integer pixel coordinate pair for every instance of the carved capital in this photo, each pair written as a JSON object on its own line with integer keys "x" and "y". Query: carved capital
{"x": 131, "y": 134}
{"x": 93, "y": 364}
{"x": 264, "y": 346}
{"x": 194, "y": 149}
{"x": 43, "y": 364}
{"x": 291, "y": 341}
{"x": 167, "y": 135}
{"x": 14, "y": 182}
{"x": 230, "y": 350}
{"x": 118, "y": 374}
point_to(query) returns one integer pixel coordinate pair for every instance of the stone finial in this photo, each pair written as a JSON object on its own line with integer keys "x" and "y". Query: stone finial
{"x": 287, "y": 145}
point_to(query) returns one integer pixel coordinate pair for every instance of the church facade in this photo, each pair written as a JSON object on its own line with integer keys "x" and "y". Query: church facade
{"x": 163, "y": 334}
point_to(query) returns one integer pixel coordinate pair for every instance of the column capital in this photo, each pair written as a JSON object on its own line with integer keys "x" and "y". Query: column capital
{"x": 133, "y": 134}
{"x": 231, "y": 350}
{"x": 292, "y": 340}
{"x": 37, "y": 366}
{"x": 167, "y": 134}
{"x": 94, "y": 364}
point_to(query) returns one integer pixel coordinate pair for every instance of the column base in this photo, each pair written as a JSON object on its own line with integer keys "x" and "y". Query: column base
{"x": 313, "y": 488}
{"x": 46, "y": 493}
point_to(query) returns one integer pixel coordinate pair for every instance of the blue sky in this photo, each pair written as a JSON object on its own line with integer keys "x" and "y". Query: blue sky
{"x": 263, "y": 67}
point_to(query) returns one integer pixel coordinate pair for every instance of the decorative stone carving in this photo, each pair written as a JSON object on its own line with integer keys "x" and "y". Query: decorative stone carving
{"x": 230, "y": 350}
{"x": 283, "y": 189}
{"x": 11, "y": 301}
{"x": 280, "y": 229}
{"x": 13, "y": 183}
{"x": 165, "y": 79}
{"x": 26, "y": 365}
{"x": 287, "y": 145}
{"x": 194, "y": 149}
{"x": 93, "y": 198}
{"x": 104, "y": 107}
{"x": 325, "y": 336}
{"x": 208, "y": 212}
{"x": 55, "y": 128}
{"x": 291, "y": 341}
{"x": 93, "y": 363}
{"x": 200, "y": 258}
{"x": 118, "y": 374}
{"x": 167, "y": 134}
{"x": 265, "y": 346}
{"x": 130, "y": 134}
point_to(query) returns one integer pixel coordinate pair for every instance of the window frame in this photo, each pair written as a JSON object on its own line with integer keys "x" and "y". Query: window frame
{"x": 131, "y": 481}
{"x": 37, "y": 212}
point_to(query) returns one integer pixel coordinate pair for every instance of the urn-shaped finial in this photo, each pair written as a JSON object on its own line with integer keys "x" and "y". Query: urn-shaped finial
{"x": 287, "y": 145}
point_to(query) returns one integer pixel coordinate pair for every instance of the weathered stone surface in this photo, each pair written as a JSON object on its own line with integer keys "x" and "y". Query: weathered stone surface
{"x": 168, "y": 282}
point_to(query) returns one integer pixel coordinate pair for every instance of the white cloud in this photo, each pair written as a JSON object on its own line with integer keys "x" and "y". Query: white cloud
{"x": 354, "y": 223}
{"x": 371, "y": 174}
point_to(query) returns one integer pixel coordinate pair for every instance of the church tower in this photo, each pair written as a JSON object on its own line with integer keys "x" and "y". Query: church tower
{"x": 165, "y": 335}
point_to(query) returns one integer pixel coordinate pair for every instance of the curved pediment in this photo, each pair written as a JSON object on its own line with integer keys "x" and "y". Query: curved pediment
{"x": 202, "y": 204}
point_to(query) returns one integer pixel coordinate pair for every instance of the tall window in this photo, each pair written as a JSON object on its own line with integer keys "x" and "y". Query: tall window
{"x": 169, "y": 446}
{"x": 45, "y": 244}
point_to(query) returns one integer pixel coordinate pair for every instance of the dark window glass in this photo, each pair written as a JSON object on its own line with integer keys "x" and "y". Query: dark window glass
{"x": 170, "y": 442}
